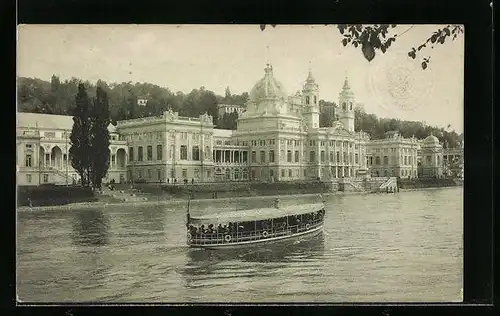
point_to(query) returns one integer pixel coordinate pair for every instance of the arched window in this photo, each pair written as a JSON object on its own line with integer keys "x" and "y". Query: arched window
{"x": 307, "y": 99}
{"x": 344, "y": 107}
{"x": 315, "y": 100}
{"x": 350, "y": 106}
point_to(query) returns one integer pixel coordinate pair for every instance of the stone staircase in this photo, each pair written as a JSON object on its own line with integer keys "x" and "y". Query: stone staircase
{"x": 352, "y": 186}
{"x": 61, "y": 177}
{"x": 392, "y": 182}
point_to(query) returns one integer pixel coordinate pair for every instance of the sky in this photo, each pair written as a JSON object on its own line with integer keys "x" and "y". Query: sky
{"x": 185, "y": 57}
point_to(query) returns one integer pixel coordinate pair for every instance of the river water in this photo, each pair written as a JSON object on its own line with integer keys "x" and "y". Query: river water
{"x": 374, "y": 248}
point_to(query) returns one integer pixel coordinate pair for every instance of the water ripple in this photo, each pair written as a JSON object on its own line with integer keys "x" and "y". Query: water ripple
{"x": 404, "y": 247}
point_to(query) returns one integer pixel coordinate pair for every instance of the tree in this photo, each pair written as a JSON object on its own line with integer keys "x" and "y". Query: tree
{"x": 371, "y": 38}
{"x": 80, "y": 143}
{"x": 99, "y": 138}
{"x": 376, "y": 37}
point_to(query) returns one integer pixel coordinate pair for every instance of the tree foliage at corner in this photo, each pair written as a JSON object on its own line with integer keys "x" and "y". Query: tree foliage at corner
{"x": 376, "y": 37}
{"x": 80, "y": 133}
{"x": 99, "y": 138}
{"x": 373, "y": 38}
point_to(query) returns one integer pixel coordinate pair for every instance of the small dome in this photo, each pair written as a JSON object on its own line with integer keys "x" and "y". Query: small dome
{"x": 431, "y": 140}
{"x": 267, "y": 88}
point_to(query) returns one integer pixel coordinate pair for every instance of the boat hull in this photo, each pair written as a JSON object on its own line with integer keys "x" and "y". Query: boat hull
{"x": 309, "y": 233}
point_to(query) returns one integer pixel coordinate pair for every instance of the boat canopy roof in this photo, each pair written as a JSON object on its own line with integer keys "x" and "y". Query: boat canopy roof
{"x": 255, "y": 214}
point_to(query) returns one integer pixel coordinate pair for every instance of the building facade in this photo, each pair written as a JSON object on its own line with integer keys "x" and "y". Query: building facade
{"x": 278, "y": 138}
{"x": 453, "y": 162}
{"x": 229, "y": 108}
{"x": 42, "y": 148}
{"x": 394, "y": 156}
{"x": 431, "y": 158}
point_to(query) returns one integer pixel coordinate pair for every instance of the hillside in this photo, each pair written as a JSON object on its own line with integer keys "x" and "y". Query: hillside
{"x": 58, "y": 97}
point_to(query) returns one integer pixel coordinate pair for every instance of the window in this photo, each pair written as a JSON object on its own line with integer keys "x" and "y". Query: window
{"x": 356, "y": 158}
{"x": 312, "y": 156}
{"x": 307, "y": 99}
{"x": 131, "y": 154}
{"x": 305, "y": 173}
{"x": 28, "y": 146}
{"x": 350, "y": 106}
{"x": 149, "y": 173}
{"x": 322, "y": 154}
{"x": 172, "y": 173}
{"x": 315, "y": 100}
{"x": 184, "y": 152}
{"x": 45, "y": 178}
{"x": 331, "y": 156}
{"x": 386, "y": 160}
{"x": 158, "y": 173}
{"x": 428, "y": 159}
{"x": 410, "y": 160}
{"x": 196, "y": 173}
{"x": 344, "y": 106}
{"x": 377, "y": 160}
{"x": 296, "y": 156}
{"x": 351, "y": 160}
{"x": 196, "y": 153}
{"x": 271, "y": 156}
{"x": 338, "y": 156}
{"x": 406, "y": 160}
{"x": 113, "y": 159}
{"x": 207, "y": 152}
{"x": 322, "y": 143}
{"x": 254, "y": 157}
{"x": 289, "y": 156}
{"x": 262, "y": 156}
{"x": 159, "y": 152}
{"x": 28, "y": 178}
{"x": 345, "y": 158}
{"x": 150, "y": 153}
{"x": 139, "y": 174}
{"x": 28, "y": 160}
{"x": 139, "y": 153}
{"x": 282, "y": 173}
{"x": 290, "y": 173}
{"x": 184, "y": 172}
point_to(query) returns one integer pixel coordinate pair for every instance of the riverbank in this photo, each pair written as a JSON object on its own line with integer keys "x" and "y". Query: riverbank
{"x": 175, "y": 202}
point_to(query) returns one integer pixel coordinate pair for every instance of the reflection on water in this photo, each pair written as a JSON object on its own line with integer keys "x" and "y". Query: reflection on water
{"x": 90, "y": 228}
{"x": 388, "y": 247}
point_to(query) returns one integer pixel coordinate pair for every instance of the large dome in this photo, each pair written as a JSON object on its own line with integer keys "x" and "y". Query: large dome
{"x": 431, "y": 140}
{"x": 267, "y": 88}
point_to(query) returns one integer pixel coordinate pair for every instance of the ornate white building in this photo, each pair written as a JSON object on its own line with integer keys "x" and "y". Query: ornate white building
{"x": 278, "y": 138}
{"x": 229, "y": 108}
{"x": 394, "y": 156}
{"x": 432, "y": 158}
{"x": 42, "y": 142}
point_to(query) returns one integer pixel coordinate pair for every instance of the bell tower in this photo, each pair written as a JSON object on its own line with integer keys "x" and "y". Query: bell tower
{"x": 310, "y": 101}
{"x": 346, "y": 107}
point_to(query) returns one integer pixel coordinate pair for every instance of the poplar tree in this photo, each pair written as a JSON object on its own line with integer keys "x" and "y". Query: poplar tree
{"x": 99, "y": 138}
{"x": 80, "y": 144}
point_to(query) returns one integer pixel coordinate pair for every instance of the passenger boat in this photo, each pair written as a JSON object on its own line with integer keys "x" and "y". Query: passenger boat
{"x": 254, "y": 226}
